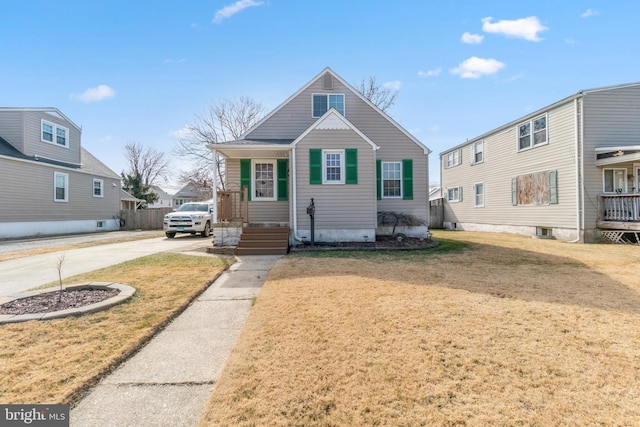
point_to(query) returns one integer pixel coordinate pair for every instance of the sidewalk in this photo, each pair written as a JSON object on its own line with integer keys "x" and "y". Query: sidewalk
{"x": 169, "y": 381}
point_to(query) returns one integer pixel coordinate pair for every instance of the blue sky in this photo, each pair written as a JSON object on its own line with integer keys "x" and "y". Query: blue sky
{"x": 141, "y": 70}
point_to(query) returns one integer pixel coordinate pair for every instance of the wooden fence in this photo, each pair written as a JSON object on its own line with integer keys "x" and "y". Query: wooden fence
{"x": 436, "y": 213}
{"x": 143, "y": 219}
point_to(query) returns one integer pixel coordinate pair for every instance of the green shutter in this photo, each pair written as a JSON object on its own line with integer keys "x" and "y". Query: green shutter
{"x": 351, "y": 164}
{"x": 315, "y": 166}
{"x": 379, "y": 179}
{"x": 245, "y": 175}
{"x": 283, "y": 180}
{"x": 407, "y": 179}
{"x": 514, "y": 191}
{"x": 553, "y": 187}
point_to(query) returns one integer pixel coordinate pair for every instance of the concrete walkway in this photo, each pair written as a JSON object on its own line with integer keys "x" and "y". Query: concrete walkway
{"x": 169, "y": 381}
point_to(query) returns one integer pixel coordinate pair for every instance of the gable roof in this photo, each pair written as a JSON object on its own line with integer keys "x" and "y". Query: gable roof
{"x": 50, "y": 110}
{"x": 352, "y": 90}
{"x": 91, "y": 164}
{"x": 333, "y": 120}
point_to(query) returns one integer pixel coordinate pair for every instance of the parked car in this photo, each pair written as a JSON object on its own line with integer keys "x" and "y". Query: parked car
{"x": 191, "y": 218}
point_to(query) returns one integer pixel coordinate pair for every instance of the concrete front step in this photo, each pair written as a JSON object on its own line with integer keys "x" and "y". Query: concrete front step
{"x": 260, "y": 251}
{"x": 264, "y": 243}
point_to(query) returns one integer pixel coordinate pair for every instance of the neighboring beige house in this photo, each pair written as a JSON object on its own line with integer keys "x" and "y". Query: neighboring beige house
{"x": 570, "y": 170}
{"x": 329, "y": 144}
{"x": 51, "y": 185}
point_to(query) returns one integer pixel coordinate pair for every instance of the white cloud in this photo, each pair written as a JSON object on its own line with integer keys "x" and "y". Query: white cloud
{"x": 589, "y": 12}
{"x": 183, "y": 133}
{"x": 524, "y": 28}
{"x": 96, "y": 94}
{"x": 430, "y": 73}
{"x": 569, "y": 40}
{"x": 232, "y": 9}
{"x": 469, "y": 38}
{"x": 394, "y": 85}
{"x": 474, "y": 67}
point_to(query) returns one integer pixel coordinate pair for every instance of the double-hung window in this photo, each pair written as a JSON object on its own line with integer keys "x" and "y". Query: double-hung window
{"x": 322, "y": 103}
{"x": 333, "y": 167}
{"x": 614, "y": 180}
{"x": 532, "y": 133}
{"x": 478, "y": 152}
{"x": 98, "y": 185}
{"x": 452, "y": 159}
{"x": 60, "y": 187}
{"x": 54, "y": 134}
{"x": 478, "y": 194}
{"x": 391, "y": 179}
{"x": 264, "y": 187}
{"x": 454, "y": 194}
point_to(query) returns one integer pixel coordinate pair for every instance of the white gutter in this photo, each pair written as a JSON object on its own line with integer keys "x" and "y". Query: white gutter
{"x": 214, "y": 184}
{"x": 577, "y": 136}
{"x": 294, "y": 197}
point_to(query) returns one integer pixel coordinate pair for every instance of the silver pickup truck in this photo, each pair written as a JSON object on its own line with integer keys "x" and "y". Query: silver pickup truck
{"x": 191, "y": 218}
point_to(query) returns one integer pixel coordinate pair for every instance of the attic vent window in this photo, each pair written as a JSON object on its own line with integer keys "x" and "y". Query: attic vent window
{"x": 327, "y": 81}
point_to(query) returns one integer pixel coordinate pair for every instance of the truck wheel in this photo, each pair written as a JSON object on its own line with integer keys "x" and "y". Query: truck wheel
{"x": 207, "y": 230}
{"x": 171, "y": 235}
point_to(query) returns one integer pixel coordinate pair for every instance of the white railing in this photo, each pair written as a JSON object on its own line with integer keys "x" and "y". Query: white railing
{"x": 619, "y": 207}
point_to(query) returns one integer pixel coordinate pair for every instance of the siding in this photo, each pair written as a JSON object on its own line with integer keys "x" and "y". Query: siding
{"x": 34, "y": 146}
{"x": 502, "y": 162}
{"x": 259, "y": 211}
{"x": 340, "y": 206}
{"x": 611, "y": 117}
{"x": 11, "y": 128}
{"x": 30, "y": 197}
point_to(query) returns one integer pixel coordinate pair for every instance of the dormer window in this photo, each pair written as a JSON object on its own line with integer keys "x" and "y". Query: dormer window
{"x": 323, "y": 101}
{"x": 54, "y": 134}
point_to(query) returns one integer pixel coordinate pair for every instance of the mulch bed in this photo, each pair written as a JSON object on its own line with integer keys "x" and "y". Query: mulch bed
{"x": 55, "y": 301}
{"x": 381, "y": 243}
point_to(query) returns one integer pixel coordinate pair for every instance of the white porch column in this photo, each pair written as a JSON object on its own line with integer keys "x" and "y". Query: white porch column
{"x": 215, "y": 186}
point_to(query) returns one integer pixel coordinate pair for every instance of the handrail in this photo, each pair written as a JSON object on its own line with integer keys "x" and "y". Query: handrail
{"x": 619, "y": 207}
{"x": 233, "y": 206}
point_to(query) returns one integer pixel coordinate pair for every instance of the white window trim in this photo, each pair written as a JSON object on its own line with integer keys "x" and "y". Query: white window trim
{"x": 474, "y": 152}
{"x": 614, "y": 169}
{"x": 254, "y": 197}
{"x": 450, "y": 160}
{"x": 344, "y": 102}
{"x": 66, "y": 186}
{"x": 458, "y": 193}
{"x": 93, "y": 188}
{"x": 401, "y": 189}
{"x": 55, "y": 133}
{"x": 342, "y": 167}
{"x": 531, "y": 133}
{"x": 475, "y": 194}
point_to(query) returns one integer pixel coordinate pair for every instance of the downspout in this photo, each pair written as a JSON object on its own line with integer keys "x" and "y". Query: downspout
{"x": 578, "y": 134}
{"x": 214, "y": 184}
{"x": 294, "y": 197}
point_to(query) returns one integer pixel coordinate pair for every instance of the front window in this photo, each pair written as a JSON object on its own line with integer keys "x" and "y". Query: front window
{"x": 532, "y": 133}
{"x": 452, "y": 159}
{"x": 478, "y": 193}
{"x": 98, "y": 184}
{"x": 478, "y": 152}
{"x": 264, "y": 180}
{"x": 51, "y": 130}
{"x": 60, "y": 187}
{"x": 453, "y": 194}
{"x": 333, "y": 166}
{"x": 391, "y": 179}
{"x": 322, "y": 103}
{"x": 614, "y": 180}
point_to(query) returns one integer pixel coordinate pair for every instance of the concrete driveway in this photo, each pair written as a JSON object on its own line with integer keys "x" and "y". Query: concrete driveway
{"x": 20, "y": 274}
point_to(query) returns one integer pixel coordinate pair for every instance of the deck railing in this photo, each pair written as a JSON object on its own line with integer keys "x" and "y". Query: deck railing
{"x": 233, "y": 206}
{"x": 619, "y": 207}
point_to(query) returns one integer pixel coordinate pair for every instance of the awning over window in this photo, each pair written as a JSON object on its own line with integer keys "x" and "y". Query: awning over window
{"x": 613, "y": 155}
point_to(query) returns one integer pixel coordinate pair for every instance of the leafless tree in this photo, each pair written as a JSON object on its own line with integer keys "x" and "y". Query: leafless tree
{"x": 383, "y": 97}
{"x": 226, "y": 121}
{"x": 147, "y": 163}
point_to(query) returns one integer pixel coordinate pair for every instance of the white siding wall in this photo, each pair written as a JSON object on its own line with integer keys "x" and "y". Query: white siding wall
{"x": 502, "y": 163}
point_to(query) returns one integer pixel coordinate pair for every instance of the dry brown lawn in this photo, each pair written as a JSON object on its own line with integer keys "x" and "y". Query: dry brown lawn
{"x": 55, "y": 361}
{"x": 489, "y": 329}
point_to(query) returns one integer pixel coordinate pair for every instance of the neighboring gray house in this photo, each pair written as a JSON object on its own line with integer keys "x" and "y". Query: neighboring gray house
{"x": 570, "y": 170}
{"x": 165, "y": 200}
{"x": 51, "y": 185}
{"x": 329, "y": 144}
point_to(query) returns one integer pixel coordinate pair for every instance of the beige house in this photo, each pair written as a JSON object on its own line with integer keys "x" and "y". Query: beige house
{"x": 570, "y": 170}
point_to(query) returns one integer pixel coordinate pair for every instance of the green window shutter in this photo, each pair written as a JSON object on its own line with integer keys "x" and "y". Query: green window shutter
{"x": 514, "y": 191}
{"x": 407, "y": 179}
{"x": 245, "y": 175}
{"x": 315, "y": 166}
{"x": 553, "y": 187}
{"x": 351, "y": 165}
{"x": 283, "y": 180}
{"x": 379, "y": 179}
